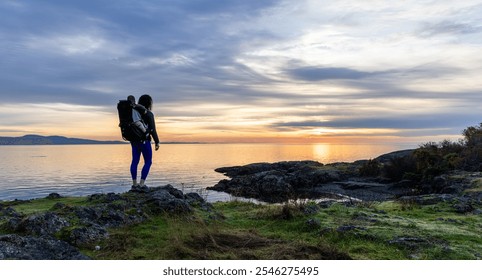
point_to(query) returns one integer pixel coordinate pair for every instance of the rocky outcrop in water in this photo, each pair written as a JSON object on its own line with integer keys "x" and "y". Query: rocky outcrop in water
{"x": 282, "y": 181}
{"x": 53, "y": 234}
{"x": 278, "y": 182}
{"x": 275, "y": 182}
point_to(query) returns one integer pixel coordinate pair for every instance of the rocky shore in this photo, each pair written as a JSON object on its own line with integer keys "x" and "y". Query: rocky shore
{"x": 437, "y": 218}
{"x": 291, "y": 180}
{"x": 58, "y": 232}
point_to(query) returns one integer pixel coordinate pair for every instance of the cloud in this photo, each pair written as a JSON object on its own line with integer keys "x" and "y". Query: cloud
{"x": 327, "y": 73}
{"x": 69, "y": 44}
{"x": 223, "y": 7}
{"x": 144, "y": 47}
{"x": 410, "y": 122}
{"x": 276, "y": 65}
{"x": 13, "y": 131}
{"x": 448, "y": 28}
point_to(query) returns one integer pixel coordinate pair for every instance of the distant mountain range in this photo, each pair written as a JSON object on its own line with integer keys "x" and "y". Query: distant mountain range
{"x": 32, "y": 139}
{"x": 50, "y": 140}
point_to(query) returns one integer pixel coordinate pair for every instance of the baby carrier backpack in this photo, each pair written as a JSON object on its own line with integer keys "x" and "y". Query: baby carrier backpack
{"x": 130, "y": 128}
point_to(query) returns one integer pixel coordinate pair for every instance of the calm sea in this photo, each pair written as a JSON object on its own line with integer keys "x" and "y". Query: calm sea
{"x": 74, "y": 170}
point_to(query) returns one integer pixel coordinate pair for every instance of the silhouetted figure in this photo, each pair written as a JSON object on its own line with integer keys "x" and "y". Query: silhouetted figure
{"x": 143, "y": 147}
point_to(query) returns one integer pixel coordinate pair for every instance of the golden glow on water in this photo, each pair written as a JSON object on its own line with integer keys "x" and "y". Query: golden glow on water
{"x": 36, "y": 171}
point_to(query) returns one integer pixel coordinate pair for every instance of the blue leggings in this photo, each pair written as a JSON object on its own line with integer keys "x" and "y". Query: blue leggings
{"x": 145, "y": 149}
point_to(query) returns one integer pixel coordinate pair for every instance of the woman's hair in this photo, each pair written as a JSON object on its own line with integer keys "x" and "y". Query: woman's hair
{"x": 146, "y": 101}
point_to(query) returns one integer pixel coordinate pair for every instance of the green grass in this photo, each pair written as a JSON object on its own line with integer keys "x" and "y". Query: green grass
{"x": 445, "y": 234}
{"x": 240, "y": 230}
{"x": 41, "y": 205}
{"x": 476, "y": 186}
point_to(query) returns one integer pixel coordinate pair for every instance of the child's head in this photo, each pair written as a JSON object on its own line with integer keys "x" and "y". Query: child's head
{"x": 132, "y": 99}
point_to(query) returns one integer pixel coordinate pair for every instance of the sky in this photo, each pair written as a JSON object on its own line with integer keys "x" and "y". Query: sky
{"x": 301, "y": 71}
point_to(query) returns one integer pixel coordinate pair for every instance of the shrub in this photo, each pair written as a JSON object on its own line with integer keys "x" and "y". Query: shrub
{"x": 432, "y": 159}
{"x": 371, "y": 168}
{"x": 396, "y": 168}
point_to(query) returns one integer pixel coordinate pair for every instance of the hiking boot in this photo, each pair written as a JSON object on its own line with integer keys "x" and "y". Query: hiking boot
{"x": 144, "y": 189}
{"x": 135, "y": 188}
{"x": 139, "y": 189}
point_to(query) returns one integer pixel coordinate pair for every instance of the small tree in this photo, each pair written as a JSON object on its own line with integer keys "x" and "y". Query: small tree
{"x": 473, "y": 136}
{"x": 473, "y": 152}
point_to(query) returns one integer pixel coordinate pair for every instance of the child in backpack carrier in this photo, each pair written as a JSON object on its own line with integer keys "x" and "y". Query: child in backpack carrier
{"x": 136, "y": 115}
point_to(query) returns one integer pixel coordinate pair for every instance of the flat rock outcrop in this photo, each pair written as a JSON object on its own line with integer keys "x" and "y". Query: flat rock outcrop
{"x": 282, "y": 181}
{"x": 278, "y": 182}
{"x": 16, "y": 247}
{"x": 55, "y": 233}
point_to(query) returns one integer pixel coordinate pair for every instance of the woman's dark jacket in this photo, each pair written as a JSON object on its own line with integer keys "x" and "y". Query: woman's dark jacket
{"x": 148, "y": 119}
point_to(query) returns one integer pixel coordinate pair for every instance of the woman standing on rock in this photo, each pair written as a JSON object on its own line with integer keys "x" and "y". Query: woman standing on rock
{"x": 144, "y": 147}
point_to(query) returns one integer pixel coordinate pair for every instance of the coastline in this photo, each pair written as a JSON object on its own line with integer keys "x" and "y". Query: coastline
{"x": 434, "y": 225}
{"x": 86, "y": 169}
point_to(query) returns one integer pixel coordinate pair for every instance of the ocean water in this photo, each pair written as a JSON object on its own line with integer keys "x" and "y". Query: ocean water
{"x": 75, "y": 170}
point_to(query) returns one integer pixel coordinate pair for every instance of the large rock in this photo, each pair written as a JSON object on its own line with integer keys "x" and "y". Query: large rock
{"x": 113, "y": 210}
{"x": 277, "y": 182}
{"x": 44, "y": 224}
{"x": 269, "y": 186}
{"x": 15, "y": 247}
{"x": 87, "y": 235}
{"x": 358, "y": 190}
{"x": 105, "y": 198}
{"x": 427, "y": 199}
{"x": 8, "y": 212}
{"x": 107, "y": 215}
{"x": 386, "y": 158}
{"x": 253, "y": 168}
{"x": 162, "y": 200}
{"x": 194, "y": 198}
